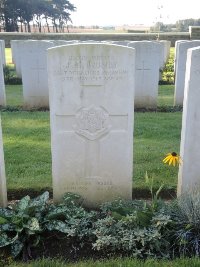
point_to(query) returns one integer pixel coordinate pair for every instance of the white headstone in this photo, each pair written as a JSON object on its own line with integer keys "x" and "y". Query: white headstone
{"x": 189, "y": 175}
{"x": 2, "y": 51}
{"x": 176, "y": 52}
{"x": 182, "y": 48}
{"x": 167, "y": 45}
{"x": 148, "y": 58}
{"x": 3, "y": 190}
{"x": 2, "y": 86}
{"x": 17, "y": 52}
{"x": 91, "y": 110}
{"x": 34, "y": 73}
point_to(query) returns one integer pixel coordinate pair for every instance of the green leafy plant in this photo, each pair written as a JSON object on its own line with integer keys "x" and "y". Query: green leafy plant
{"x": 155, "y": 200}
{"x": 186, "y": 217}
{"x": 133, "y": 228}
{"x": 10, "y": 76}
{"x": 22, "y": 223}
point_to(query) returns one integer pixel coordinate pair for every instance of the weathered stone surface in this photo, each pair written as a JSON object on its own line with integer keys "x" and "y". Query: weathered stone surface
{"x": 2, "y": 51}
{"x": 189, "y": 175}
{"x": 148, "y": 60}
{"x": 2, "y": 86}
{"x": 34, "y": 73}
{"x": 91, "y": 109}
{"x": 3, "y": 190}
{"x": 181, "y": 57}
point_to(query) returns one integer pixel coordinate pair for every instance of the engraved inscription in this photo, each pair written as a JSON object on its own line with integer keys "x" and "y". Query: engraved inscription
{"x": 93, "y": 69}
{"x": 101, "y": 185}
{"x": 92, "y": 122}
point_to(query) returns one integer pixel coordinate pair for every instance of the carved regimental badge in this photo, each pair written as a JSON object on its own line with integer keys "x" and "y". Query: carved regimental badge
{"x": 92, "y": 122}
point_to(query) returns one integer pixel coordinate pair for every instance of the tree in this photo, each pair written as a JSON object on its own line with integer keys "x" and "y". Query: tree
{"x": 9, "y": 14}
{"x": 13, "y": 12}
{"x": 61, "y": 13}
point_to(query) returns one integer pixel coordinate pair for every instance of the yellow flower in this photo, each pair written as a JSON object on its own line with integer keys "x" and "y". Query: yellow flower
{"x": 172, "y": 158}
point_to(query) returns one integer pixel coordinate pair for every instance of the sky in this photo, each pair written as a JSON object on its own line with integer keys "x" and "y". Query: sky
{"x": 133, "y": 12}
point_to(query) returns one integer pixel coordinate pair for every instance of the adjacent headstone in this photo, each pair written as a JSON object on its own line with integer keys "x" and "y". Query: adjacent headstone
{"x": 189, "y": 175}
{"x": 176, "y": 52}
{"x": 3, "y": 190}
{"x": 34, "y": 73}
{"x": 91, "y": 110}
{"x": 167, "y": 46}
{"x": 2, "y": 51}
{"x": 2, "y": 86}
{"x": 182, "y": 48}
{"x": 17, "y": 52}
{"x": 148, "y": 58}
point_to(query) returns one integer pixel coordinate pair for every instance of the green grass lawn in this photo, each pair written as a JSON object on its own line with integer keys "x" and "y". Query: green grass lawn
{"x": 26, "y": 138}
{"x": 14, "y": 95}
{"x": 127, "y": 262}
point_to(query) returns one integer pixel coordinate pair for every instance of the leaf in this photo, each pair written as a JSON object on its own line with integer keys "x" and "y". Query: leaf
{"x": 40, "y": 200}
{"x": 33, "y": 225}
{"x": 57, "y": 212}
{"x": 5, "y": 240}
{"x": 3, "y": 220}
{"x": 144, "y": 218}
{"x": 58, "y": 226}
{"x": 7, "y": 227}
{"x": 22, "y": 204}
{"x": 16, "y": 248}
{"x": 6, "y": 213}
{"x": 117, "y": 216}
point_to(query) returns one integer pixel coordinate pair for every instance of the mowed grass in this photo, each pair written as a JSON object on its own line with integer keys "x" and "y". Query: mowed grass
{"x": 126, "y": 262}
{"x": 26, "y": 137}
{"x": 165, "y": 95}
{"x": 14, "y": 95}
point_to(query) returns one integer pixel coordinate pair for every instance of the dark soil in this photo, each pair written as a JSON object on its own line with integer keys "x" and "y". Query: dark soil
{"x": 138, "y": 193}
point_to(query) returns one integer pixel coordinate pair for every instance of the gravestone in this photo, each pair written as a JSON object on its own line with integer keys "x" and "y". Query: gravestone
{"x": 148, "y": 58}
{"x": 17, "y": 52}
{"x": 2, "y": 86}
{"x": 91, "y": 110}
{"x": 2, "y": 51}
{"x": 34, "y": 73}
{"x": 180, "y": 69}
{"x": 189, "y": 175}
{"x": 167, "y": 45}
{"x": 3, "y": 190}
{"x": 176, "y": 52}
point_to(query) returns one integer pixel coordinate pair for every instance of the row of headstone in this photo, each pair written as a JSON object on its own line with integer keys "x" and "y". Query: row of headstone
{"x": 91, "y": 112}
{"x": 30, "y": 60}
